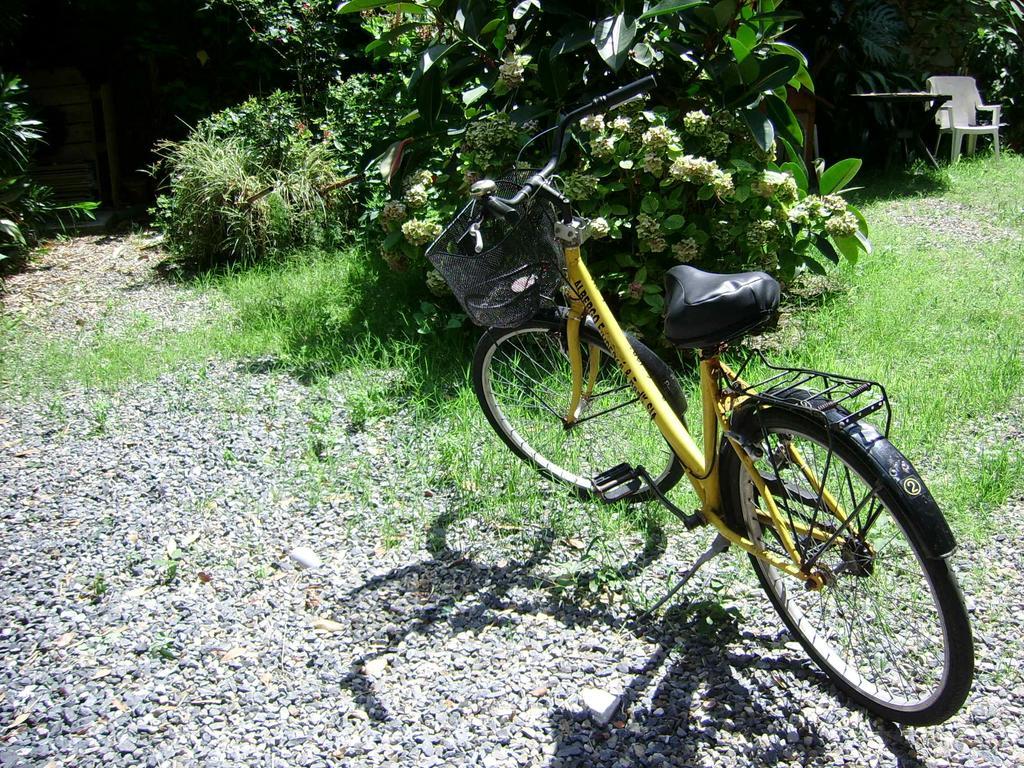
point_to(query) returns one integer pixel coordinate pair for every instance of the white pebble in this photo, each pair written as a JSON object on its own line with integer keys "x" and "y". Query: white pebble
{"x": 305, "y": 557}
{"x": 602, "y": 705}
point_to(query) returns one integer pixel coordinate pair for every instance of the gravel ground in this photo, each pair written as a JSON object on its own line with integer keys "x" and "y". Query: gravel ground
{"x": 97, "y": 283}
{"x": 151, "y": 614}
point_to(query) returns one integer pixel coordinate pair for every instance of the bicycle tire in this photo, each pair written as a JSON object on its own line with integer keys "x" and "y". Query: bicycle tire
{"x": 866, "y": 664}
{"x": 536, "y": 352}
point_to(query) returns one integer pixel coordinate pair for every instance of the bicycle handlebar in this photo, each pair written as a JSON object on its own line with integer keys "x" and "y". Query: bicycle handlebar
{"x": 505, "y": 206}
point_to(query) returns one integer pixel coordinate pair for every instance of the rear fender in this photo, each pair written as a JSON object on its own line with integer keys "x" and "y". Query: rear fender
{"x": 899, "y": 477}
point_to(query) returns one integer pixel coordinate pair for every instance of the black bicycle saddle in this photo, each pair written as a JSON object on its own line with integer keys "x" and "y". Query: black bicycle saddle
{"x": 705, "y": 309}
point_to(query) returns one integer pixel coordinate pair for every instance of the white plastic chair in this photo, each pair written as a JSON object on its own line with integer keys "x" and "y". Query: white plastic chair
{"x": 958, "y": 117}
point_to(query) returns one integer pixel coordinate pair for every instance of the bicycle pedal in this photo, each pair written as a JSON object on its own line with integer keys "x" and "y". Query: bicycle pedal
{"x": 618, "y": 482}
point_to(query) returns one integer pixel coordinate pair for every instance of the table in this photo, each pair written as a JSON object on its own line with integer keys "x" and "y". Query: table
{"x": 912, "y": 113}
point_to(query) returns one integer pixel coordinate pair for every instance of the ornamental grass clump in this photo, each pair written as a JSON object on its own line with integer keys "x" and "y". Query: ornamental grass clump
{"x": 224, "y": 203}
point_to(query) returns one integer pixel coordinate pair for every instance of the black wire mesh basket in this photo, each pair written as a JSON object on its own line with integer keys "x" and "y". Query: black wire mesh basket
{"x": 517, "y": 271}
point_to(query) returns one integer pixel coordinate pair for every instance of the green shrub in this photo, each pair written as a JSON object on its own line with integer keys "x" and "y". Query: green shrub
{"x": 25, "y": 207}
{"x": 711, "y": 189}
{"x": 995, "y": 59}
{"x": 360, "y": 113}
{"x": 272, "y": 128}
{"x": 225, "y": 202}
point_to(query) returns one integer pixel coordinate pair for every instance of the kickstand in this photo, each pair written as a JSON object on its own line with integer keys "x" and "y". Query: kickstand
{"x": 718, "y": 546}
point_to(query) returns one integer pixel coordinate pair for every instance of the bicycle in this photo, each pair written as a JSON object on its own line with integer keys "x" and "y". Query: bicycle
{"x": 844, "y": 537}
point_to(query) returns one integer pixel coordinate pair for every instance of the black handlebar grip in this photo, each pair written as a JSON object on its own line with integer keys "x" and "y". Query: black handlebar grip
{"x": 626, "y": 92}
{"x": 498, "y": 207}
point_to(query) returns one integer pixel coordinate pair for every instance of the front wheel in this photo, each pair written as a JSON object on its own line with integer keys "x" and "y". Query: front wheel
{"x": 523, "y": 381}
{"x": 889, "y": 624}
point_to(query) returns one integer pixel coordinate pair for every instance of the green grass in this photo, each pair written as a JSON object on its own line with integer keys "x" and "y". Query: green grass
{"x": 936, "y": 314}
{"x": 314, "y": 314}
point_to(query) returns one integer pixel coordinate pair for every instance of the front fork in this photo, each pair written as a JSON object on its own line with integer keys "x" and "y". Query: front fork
{"x": 572, "y": 339}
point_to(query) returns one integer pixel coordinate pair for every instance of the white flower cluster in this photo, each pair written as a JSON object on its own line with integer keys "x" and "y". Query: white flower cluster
{"x": 416, "y": 189}
{"x": 647, "y": 227}
{"x": 834, "y": 205}
{"x": 659, "y": 137}
{"x": 648, "y": 231}
{"x": 603, "y": 147}
{"x": 686, "y": 250}
{"x": 717, "y": 142}
{"x": 700, "y": 170}
{"x": 842, "y": 225}
{"x": 765, "y": 155}
{"x": 420, "y": 232}
{"x": 776, "y": 184}
{"x": 436, "y": 284}
{"x": 581, "y": 186}
{"x": 592, "y": 123}
{"x": 760, "y": 233}
{"x": 622, "y": 124}
{"x": 654, "y": 164}
{"x": 697, "y": 122}
{"x": 395, "y": 261}
{"x": 488, "y": 138}
{"x": 830, "y": 210}
{"x": 512, "y": 69}
{"x": 655, "y": 244}
{"x": 599, "y": 227}
{"x": 393, "y": 212}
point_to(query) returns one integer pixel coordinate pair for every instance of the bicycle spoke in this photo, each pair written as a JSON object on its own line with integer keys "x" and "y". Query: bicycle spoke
{"x": 874, "y": 619}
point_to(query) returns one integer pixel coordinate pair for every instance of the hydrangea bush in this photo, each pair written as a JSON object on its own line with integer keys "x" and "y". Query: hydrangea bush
{"x": 661, "y": 187}
{"x": 710, "y": 171}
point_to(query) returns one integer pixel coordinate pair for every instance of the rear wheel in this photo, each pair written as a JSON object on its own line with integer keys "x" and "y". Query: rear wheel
{"x": 889, "y": 625}
{"x": 523, "y": 381}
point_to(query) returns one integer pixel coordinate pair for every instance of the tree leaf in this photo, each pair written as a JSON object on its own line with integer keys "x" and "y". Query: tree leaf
{"x": 814, "y": 266}
{"x": 798, "y": 172}
{"x": 826, "y": 248}
{"x": 673, "y": 222}
{"x": 429, "y": 58}
{"x": 473, "y": 94}
{"x": 760, "y": 127}
{"x": 643, "y": 54}
{"x": 572, "y": 41}
{"x": 384, "y": 39}
{"x": 523, "y": 8}
{"x": 785, "y": 122}
{"x": 865, "y": 243}
{"x": 387, "y": 163}
{"x": 429, "y": 98}
{"x": 670, "y": 6}
{"x": 739, "y": 48}
{"x": 775, "y": 72}
{"x": 613, "y": 37}
{"x": 725, "y": 12}
{"x": 354, "y": 6}
{"x": 849, "y": 247}
{"x": 839, "y": 175}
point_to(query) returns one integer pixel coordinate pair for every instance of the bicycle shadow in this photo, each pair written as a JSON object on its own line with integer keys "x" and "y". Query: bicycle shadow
{"x": 450, "y": 577}
{"x": 698, "y": 703}
{"x": 699, "y": 698}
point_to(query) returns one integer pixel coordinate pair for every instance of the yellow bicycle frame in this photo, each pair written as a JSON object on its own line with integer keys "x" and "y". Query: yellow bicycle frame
{"x": 585, "y": 299}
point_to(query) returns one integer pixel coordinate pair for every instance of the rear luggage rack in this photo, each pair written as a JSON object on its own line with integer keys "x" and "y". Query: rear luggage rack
{"x": 816, "y": 392}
